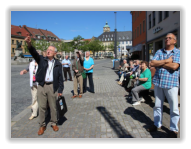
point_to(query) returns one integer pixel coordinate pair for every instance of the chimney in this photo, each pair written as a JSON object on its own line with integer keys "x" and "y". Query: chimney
{"x": 19, "y": 26}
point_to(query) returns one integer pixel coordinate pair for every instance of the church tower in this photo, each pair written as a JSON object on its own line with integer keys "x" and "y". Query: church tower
{"x": 106, "y": 28}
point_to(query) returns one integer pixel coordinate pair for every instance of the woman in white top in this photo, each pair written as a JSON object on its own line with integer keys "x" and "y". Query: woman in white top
{"x": 32, "y": 69}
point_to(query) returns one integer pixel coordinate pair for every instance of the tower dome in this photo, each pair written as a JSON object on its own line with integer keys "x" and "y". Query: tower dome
{"x": 106, "y": 28}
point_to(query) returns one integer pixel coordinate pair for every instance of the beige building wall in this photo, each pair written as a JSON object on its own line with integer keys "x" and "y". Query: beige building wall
{"x": 14, "y": 45}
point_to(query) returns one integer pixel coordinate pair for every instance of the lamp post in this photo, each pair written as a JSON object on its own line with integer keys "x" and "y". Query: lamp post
{"x": 115, "y": 50}
{"x": 121, "y": 53}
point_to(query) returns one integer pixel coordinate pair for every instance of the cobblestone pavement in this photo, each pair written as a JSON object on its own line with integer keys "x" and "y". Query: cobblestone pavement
{"x": 105, "y": 114}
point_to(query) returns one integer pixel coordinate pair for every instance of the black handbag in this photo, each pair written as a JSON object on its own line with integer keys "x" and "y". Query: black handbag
{"x": 61, "y": 106}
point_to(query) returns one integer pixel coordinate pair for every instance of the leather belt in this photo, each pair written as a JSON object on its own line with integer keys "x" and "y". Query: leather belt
{"x": 48, "y": 83}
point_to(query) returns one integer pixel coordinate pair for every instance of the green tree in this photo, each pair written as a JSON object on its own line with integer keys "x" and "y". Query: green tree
{"x": 112, "y": 46}
{"x": 95, "y": 46}
{"x": 77, "y": 42}
{"x": 33, "y": 43}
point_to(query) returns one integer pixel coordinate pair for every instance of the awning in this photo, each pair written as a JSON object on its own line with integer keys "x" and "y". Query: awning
{"x": 136, "y": 48}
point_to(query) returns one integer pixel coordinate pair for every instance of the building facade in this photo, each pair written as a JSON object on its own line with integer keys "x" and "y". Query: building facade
{"x": 139, "y": 34}
{"x": 124, "y": 40}
{"x": 18, "y": 34}
{"x": 159, "y": 23}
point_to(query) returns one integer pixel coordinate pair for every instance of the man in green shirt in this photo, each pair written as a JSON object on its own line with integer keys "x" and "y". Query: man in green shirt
{"x": 144, "y": 83}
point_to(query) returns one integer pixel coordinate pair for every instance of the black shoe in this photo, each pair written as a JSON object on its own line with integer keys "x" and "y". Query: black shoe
{"x": 152, "y": 128}
{"x": 173, "y": 134}
{"x": 92, "y": 92}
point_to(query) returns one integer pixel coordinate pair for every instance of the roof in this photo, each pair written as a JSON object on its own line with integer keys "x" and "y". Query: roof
{"x": 34, "y": 32}
{"x": 106, "y": 24}
{"x": 49, "y": 34}
{"x": 44, "y": 34}
{"x": 125, "y": 35}
{"x": 86, "y": 39}
{"x": 18, "y": 31}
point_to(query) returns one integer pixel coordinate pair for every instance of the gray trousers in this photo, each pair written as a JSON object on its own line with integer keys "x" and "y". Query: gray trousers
{"x": 45, "y": 94}
{"x": 135, "y": 92}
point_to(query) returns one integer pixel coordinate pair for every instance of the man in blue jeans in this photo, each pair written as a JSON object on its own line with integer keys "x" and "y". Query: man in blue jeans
{"x": 122, "y": 69}
{"x": 166, "y": 81}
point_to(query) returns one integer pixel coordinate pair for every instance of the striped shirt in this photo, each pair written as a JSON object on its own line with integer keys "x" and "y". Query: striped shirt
{"x": 166, "y": 78}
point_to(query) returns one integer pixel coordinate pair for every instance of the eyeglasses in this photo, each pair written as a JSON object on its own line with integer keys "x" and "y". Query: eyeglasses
{"x": 50, "y": 50}
{"x": 169, "y": 38}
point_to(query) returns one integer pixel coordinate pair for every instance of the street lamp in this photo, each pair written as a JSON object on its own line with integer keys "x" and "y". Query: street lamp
{"x": 115, "y": 50}
{"x": 121, "y": 53}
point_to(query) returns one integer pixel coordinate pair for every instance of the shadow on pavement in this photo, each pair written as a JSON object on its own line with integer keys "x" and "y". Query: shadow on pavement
{"x": 142, "y": 118}
{"x": 116, "y": 126}
{"x": 48, "y": 117}
{"x": 150, "y": 102}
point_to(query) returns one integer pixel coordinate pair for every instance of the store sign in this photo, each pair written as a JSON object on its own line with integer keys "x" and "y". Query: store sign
{"x": 156, "y": 30}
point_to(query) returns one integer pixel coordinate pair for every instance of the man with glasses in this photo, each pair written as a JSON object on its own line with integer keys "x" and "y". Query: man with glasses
{"x": 50, "y": 80}
{"x": 167, "y": 63}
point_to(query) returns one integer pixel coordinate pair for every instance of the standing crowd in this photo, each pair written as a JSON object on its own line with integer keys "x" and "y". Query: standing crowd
{"x": 162, "y": 72}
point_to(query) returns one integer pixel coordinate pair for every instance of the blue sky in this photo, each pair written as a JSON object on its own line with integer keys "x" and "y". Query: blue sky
{"x": 69, "y": 24}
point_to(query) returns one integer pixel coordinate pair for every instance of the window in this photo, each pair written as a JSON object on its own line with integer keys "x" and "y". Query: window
{"x": 144, "y": 26}
{"x": 166, "y": 14}
{"x": 130, "y": 42}
{"x": 105, "y": 35}
{"x": 127, "y": 37}
{"x": 12, "y": 41}
{"x": 21, "y": 42}
{"x": 111, "y": 39}
{"x": 123, "y": 37}
{"x": 149, "y": 21}
{"x": 17, "y": 41}
{"x": 12, "y": 50}
{"x": 137, "y": 31}
{"x": 160, "y": 16}
{"x": 108, "y": 39}
{"x": 105, "y": 39}
{"x": 140, "y": 29}
{"x": 122, "y": 42}
{"x": 126, "y": 42}
{"x": 153, "y": 18}
{"x": 102, "y": 39}
{"x": 112, "y": 35}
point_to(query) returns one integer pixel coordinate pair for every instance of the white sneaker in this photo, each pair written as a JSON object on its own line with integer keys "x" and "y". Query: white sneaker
{"x": 142, "y": 99}
{"x": 136, "y": 103}
{"x": 32, "y": 117}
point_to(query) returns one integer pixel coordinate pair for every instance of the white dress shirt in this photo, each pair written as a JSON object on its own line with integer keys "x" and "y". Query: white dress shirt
{"x": 49, "y": 71}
